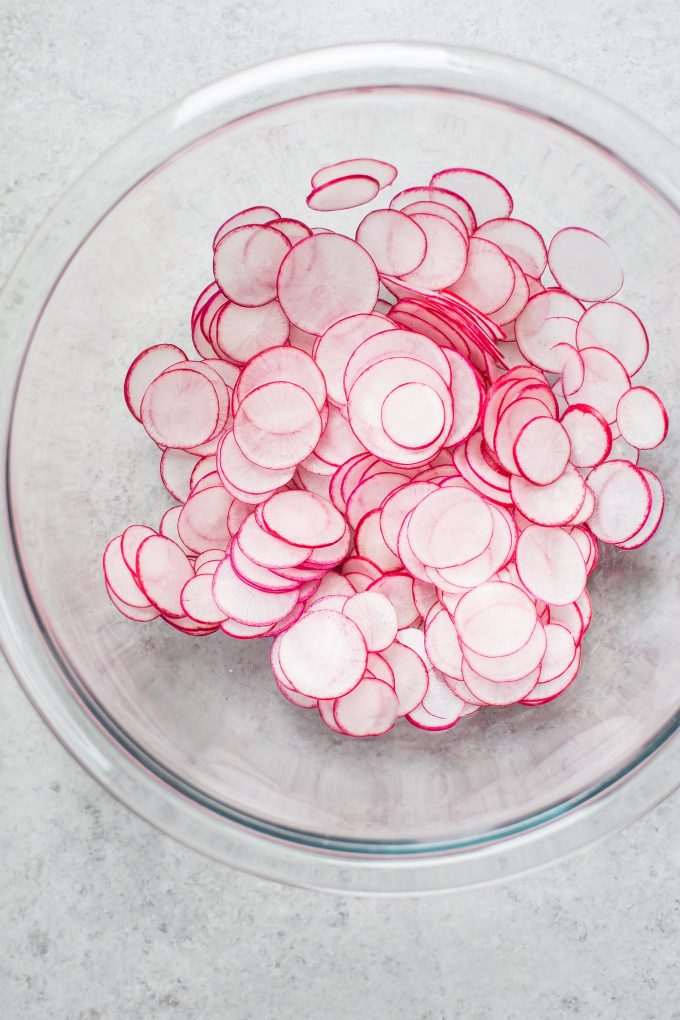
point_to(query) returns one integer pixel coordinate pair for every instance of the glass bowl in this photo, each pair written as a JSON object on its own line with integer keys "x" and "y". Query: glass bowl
{"x": 192, "y": 733}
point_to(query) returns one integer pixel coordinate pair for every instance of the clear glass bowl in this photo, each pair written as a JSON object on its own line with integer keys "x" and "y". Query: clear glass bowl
{"x": 192, "y": 733}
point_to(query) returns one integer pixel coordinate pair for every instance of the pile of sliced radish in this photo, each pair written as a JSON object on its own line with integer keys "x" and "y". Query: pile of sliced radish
{"x": 396, "y": 453}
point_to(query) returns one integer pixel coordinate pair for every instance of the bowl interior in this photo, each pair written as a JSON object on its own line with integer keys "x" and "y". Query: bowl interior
{"x": 206, "y": 712}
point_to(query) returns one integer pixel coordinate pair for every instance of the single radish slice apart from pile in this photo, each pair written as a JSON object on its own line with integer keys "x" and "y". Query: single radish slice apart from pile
{"x": 395, "y": 454}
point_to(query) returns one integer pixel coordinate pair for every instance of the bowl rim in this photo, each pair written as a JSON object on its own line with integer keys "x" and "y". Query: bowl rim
{"x": 263, "y": 849}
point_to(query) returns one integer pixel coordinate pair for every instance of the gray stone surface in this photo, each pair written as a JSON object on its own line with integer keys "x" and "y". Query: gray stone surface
{"x": 103, "y": 917}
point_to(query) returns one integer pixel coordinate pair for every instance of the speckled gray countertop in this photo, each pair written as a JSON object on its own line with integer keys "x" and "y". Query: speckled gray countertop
{"x": 100, "y": 915}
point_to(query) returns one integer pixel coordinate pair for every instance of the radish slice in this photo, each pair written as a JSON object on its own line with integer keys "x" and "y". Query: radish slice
{"x": 517, "y": 301}
{"x": 203, "y": 523}
{"x": 500, "y": 694}
{"x": 413, "y": 415}
{"x": 437, "y": 209}
{"x": 281, "y": 364}
{"x": 197, "y": 600}
{"x": 395, "y": 241}
{"x": 247, "y": 262}
{"x": 589, "y": 434}
{"x": 395, "y": 343}
{"x": 442, "y": 196}
{"x": 442, "y": 645}
{"x": 488, "y": 280}
{"x": 397, "y": 506}
{"x": 343, "y": 193}
{"x": 245, "y": 480}
{"x": 120, "y": 578}
{"x": 642, "y": 418}
{"x": 550, "y": 565}
{"x": 384, "y": 173}
{"x": 163, "y": 570}
{"x": 265, "y": 549}
{"x": 623, "y": 501}
{"x": 446, "y": 254}
{"x": 542, "y": 450}
{"x": 367, "y": 711}
{"x": 560, "y": 652}
{"x": 488, "y": 197}
{"x": 506, "y": 668}
{"x": 376, "y": 618}
{"x": 537, "y": 334}
{"x": 440, "y": 708}
{"x": 398, "y": 589}
{"x": 615, "y": 328}
{"x": 337, "y": 344}
{"x": 370, "y": 492}
{"x": 246, "y": 604}
{"x": 450, "y": 527}
{"x": 495, "y": 619}
{"x": 138, "y": 614}
{"x": 146, "y": 367}
{"x": 323, "y": 655}
{"x": 584, "y": 265}
{"x": 180, "y": 409}
{"x": 410, "y": 676}
{"x": 551, "y": 505}
{"x": 299, "y": 700}
{"x": 605, "y": 382}
{"x": 654, "y": 517}
{"x": 246, "y": 218}
{"x": 303, "y": 518}
{"x": 131, "y": 539}
{"x": 520, "y": 241}
{"x": 242, "y": 332}
{"x": 277, "y": 425}
{"x": 370, "y": 543}
{"x": 324, "y": 278}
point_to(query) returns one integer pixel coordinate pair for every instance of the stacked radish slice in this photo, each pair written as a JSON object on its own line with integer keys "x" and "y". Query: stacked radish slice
{"x": 396, "y": 453}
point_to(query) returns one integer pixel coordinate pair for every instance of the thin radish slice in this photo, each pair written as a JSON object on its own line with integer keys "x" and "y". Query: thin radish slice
{"x": 243, "y": 478}
{"x": 337, "y": 344}
{"x": 131, "y": 539}
{"x": 242, "y": 631}
{"x": 589, "y": 434}
{"x": 395, "y": 241}
{"x": 384, "y": 173}
{"x": 325, "y": 709}
{"x": 208, "y": 557}
{"x": 536, "y": 334}
{"x": 442, "y": 645}
{"x": 168, "y": 528}
{"x": 653, "y": 519}
{"x": 584, "y": 265}
{"x": 247, "y": 262}
{"x": 440, "y": 708}
{"x": 550, "y": 565}
{"x": 370, "y": 543}
{"x": 343, "y": 193}
{"x": 500, "y": 694}
{"x": 146, "y": 367}
{"x": 623, "y": 501}
{"x": 368, "y": 711}
{"x": 376, "y": 618}
{"x": 398, "y": 589}
{"x": 518, "y": 297}
{"x": 139, "y": 614}
{"x": 277, "y": 425}
{"x": 299, "y": 700}
{"x": 202, "y": 468}
{"x": 413, "y": 415}
{"x": 303, "y": 518}
{"x": 294, "y": 230}
{"x": 338, "y": 444}
{"x": 520, "y": 241}
{"x": 323, "y": 655}
{"x": 120, "y": 578}
{"x": 180, "y": 409}
{"x": 572, "y": 368}
{"x": 334, "y": 602}
{"x": 202, "y": 523}
{"x": 332, "y": 584}
{"x": 488, "y": 280}
{"x": 176, "y": 467}
{"x": 446, "y": 254}
{"x": 246, "y": 218}
{"x": 482, "y": 568}
{"x": 202, "y": 300}
{"x": 506, "y": 668}
{"x": 495, "y": 619}
{"x": 550, "y": 689}
{"x": 396, "y": 343}
{"x": 450, "y": 527}
{"x": 605, "y": 382}
{"x": 410, "y": 676}
{"x": 551, "y": 505}
{"x": 265, "y": 549}
{"x": 642, "y": 418}
{"x": 370, "y": 493}
{"x": 246, "y": 604}
{"x": 615, "y": 328}
{"x": 488, "y": 197}
{"x": 358, "y": 564}
{"x": 197, "y": 600}
{"x": 442, "y": 196}
{"x": 281, "y": 364}
{"x": 569, "y": 617}
{"x": 462, "y": 691}
{"x": 397, "y": 506}
{"x": 559, "y": 653}
{"x": 324, "y": 278}
{"x": 163, "y": 570}
{"x": 437, "y": 209}
{"x": 542, "y": 450}
{"x": 468, "y": 393}
{"x": 511, "y": 422}
{"x": 258, "y": 576}
{"x": 242, "y": 332}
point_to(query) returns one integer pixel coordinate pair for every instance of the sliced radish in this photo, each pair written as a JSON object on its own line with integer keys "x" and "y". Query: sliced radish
{"x": 247, "y": 604}
{"x": 242, "y": 332}
{"x": 343, "y": 193}
{"x": 384, "y": 173}
{"x": 615, "y": 328}
{"x": 368, "y": 710}
{"x": 605, "y": 382}
{"x": 446, "y": 254}
{"x": 198, "y": 602}
{"x": 203, "y": 521}
{"x": 488, "y": 280}
{"x": 397, "y": 587}
{"x": 163, "y": 570}
{"x": 180, "y": 409}
{"x": 653, "y": 518}
{"x": 146, "y": 367}
{"x": 542, "y": 450}
{"x": 550, "y": 564}
{"x": 642, "y": 418}
{"x": 442, "y": 196}
{"x": 495, "y": 619}
{"x": 623, "y": 501}
{"x": 519, "y": 241}
{"x": 488, "y": 197}
{"x": 500, "y": 694}
{"x": 246, "y": 218}
{"x": 551, "y": 505}
{"x": 247, "y": 262}
{"x": 303, "y": 518}
{"x": 450, "y": 527}
{"x": 395, "y": 241}
{"x": 376, "y": 618}
{"x": 245, "y": 480}
{"x": 584, "y": 264}
{"x": 589, "y": 434}
{"x": 277, "y": 425}
{"x": 323, "y": 655}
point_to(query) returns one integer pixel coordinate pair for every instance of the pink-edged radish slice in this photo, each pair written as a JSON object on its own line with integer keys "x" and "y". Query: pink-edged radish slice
{"x": 202, "y": 523}
{"x": 395, "y": 241}
{"x": 396, "y": 343}
{"x": 589, "y": 434}
{"x": 396, "y": 508}
{"x": 440, "y": 708}
{"x": 281, "y": 364}
{"x": 442, "y": 196}
{"x": 343, "y": 193}
{"x": 263, "y": 548}
{"x": 168, "y": 528}
{"x": 242, "y": 332}
{"x": 324, "y": 278}
{"x": 337, "y": 344}
{"x": 495, "y": 619}
{"x": 303, "y": 518}
{"x": 642, "y": 418}
{"x": 299, "y": 700}
{"x": 176, "y": 467}
{"x": 180, "y": 409}
{"x": 209, "y": 556}
{"x": 370, "y": 543}
{"x": 537, "y": 334}
{"x": 120, "y": 578}
{"x": 572, "y": 368}
{"x": 520, "y": 241}
{"x": 243, "y": 602}
{"x": 513, "y": 419}
{"x": 506, "y": 668}
{"x": 323, "y": 654}
{"x": 277, "y": 425}
{"x": 370, "y": 493}
{"x": 542, "y": 450}
{"x": 410, "y": 676}
{"x": 332, "y": 584}
{"x": 437, "y": 209}
{"x": 623, "y": 501}
{"x": 398, "y": 589}
{"x": 500, "y": 695}
{"x": 384, "y": 173}
{"x": 325, "y": 709}
{"x": 367, "y": 711}
{"x": 482, "y": 568}
{"x": 413, "y": 415}
{"x": 247, "y": 262}
{"x": 131, "y": 539}
{"x": 360, "y": 565}
{"x": 334, "y": 602}
{"x": 655, "y": 514}
{"x": 202, "y": 300}
{"x": 551, "y": 505}
{"x": 442, "y": 645}
{"x": 338, "y": 444}
{"x": 605, "y": 382}
{"x": 138, "y": 614}
{"x": 584, "y": 265}
{"x": 242, "y": 631}
{"x": 462, "y": 691}
{"x": 294, "y": 230}
{"x": 245, "y": 480}
{"x": 376, "y": 618}
{"x": 488, "y": 197}
{"x": 198, "y": 602}
{"x": 550, "y": 689}
{"x": 570, "y": 617}
{"x": 560, "y": 652}
{"x": 446, "y": 254}
{"x": 201, "y": 469}
{"x": 259, "y": 577}
{"x": 450, "y": 527}
{"x": 550, "y": 564}
{"x": 468, "y": 393}
{"x": 615, "y": 328}
{"x": 163, "y": 570}
{"x": 146, "y": 367}
{"x": 246, "y": 218}
{"x": 379, "y": 667}
{"x": 488, "y": 280}
{"x": 517, "y": 301}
